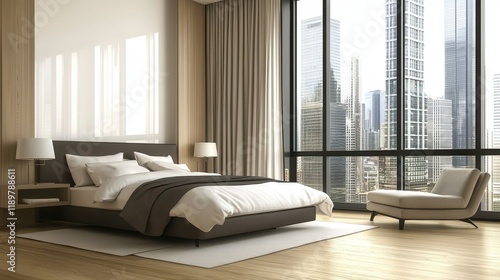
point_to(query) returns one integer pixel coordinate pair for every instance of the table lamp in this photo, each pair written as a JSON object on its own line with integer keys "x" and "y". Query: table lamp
{"x": 205, "y": 150}
{"x": 36, "y": 149}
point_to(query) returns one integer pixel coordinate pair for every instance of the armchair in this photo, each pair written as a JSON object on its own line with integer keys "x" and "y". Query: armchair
{"x": 456, "y": 196}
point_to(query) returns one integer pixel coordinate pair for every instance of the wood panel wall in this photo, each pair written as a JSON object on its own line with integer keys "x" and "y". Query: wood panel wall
{"x": 191, "y": 81}
{"x": 17, "y": 78}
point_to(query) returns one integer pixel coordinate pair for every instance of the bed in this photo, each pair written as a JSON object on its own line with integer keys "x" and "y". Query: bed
{"x": 85, "y": 209}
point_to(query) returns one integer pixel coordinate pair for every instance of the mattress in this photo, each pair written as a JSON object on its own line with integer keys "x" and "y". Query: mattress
{"x": 84, "y": 197}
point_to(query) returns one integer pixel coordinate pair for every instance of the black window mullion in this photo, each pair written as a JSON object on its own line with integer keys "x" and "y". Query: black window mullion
{"x": 479, "y": 29}
{"x": 326, "y": 86}
{"x": 289, "y": 89}
{"x": 400, "y": 93}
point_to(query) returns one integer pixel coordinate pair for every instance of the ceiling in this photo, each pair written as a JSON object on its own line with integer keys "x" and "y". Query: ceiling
{"x": 205, "y": 2}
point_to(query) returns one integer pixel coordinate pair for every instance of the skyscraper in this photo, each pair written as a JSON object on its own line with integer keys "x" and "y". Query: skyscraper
{"x": 415, "y": 105}
{"x": 372, "y": 120}
{"x": 311, "y": 120}
{"x": 336, "y": 171}
{"x": 354, "y": 129}
{"x": 372, "y": 110}
{"x": 311, "y": 124}
{"x": 460, "y": 74}
{"x": 354, "y": 114}
{"x": 439, "y": 127}
{"x": 494, "y": 193}
{"x": 312, "y": 59}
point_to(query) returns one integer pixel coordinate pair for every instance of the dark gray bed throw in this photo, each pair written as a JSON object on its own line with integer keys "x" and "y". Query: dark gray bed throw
{"x": 148, "y": 207}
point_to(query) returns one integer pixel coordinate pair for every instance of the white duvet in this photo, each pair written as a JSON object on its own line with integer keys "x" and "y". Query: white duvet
{"x": 207, "y": 206}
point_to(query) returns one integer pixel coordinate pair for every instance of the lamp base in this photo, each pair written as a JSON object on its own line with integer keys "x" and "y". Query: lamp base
{"x": 206, "y": 164}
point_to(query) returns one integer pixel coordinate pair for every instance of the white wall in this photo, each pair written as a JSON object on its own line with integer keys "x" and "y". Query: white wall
{"x": 91, "y": 84}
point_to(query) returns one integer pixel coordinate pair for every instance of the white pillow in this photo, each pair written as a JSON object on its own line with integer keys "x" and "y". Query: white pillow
{"x": 142, "y": 159}
{"x": 78, "y": 169}
{"x": 162, "y": 165}
{"x": 101, "y": 172}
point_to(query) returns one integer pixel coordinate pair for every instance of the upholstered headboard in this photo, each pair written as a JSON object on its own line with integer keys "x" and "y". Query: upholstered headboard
{"x": 56, "y": 171}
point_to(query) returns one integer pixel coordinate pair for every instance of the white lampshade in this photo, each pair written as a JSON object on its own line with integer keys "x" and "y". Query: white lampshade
{"x": 35, "y": 148}
{"x": 205, "y": 149}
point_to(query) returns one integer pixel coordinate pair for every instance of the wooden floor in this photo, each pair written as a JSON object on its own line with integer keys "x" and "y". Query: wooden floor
{"x": 424, "y": 250}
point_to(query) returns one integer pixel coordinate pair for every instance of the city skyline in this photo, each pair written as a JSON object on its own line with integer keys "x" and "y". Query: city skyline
{"x": 356, "y": 119}
{"x": 364, "y": 37}
{"x": 367, "y": 14}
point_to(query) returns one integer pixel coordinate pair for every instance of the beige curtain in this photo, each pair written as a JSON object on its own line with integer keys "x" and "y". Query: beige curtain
{"x": 244, "y": 86}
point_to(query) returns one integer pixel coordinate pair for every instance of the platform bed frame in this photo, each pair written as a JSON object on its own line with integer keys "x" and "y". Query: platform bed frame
{"x": 56, "y": 171}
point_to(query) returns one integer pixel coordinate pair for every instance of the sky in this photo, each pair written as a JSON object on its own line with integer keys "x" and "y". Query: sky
{"x": 492, "y": 42}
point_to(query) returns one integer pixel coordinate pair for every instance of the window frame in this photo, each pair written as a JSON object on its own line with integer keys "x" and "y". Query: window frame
{"x": 400, "y": 152}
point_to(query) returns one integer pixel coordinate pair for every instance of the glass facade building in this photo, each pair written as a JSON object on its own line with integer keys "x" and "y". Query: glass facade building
{"x": 460, "y": 74}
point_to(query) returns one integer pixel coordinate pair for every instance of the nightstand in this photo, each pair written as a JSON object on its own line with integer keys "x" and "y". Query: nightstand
{"x": 42, "y": 191}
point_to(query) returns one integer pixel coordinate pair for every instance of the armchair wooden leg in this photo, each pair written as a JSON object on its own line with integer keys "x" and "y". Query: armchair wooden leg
{"x": 401, "y": 224}
{"x": 373, "y": 215}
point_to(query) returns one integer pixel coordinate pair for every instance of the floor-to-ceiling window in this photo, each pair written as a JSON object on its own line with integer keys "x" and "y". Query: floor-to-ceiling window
{"x": 491, "y": 102}
{"x": 390, "y": 92}
{"x": 310, "y": 101}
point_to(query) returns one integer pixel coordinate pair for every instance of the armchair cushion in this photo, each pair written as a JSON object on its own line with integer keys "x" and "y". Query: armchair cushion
{"x": 458, "y": 182}
{"x": 415, "y": 199}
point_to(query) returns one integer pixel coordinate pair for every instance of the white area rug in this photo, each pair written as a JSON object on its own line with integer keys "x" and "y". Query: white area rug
{"x": 211, "y": 253}
{"x": 221, "y": 251}
{"x": 102, "y": 240}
